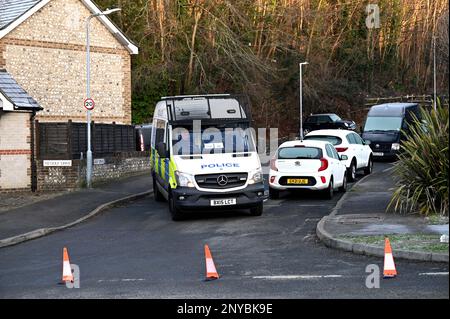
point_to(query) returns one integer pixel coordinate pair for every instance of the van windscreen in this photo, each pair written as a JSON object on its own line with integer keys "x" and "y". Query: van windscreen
{"x": 212, "y": 140}
{"x": 383, "y": 123}
{"x": 299, "y": 153}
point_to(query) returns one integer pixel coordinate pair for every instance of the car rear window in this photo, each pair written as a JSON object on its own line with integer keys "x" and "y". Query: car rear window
{"x": 299, "y": 153}
{"x": 327, "y": 138}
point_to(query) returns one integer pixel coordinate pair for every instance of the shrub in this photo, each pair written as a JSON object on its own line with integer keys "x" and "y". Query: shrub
{"x": 422, "y": 170}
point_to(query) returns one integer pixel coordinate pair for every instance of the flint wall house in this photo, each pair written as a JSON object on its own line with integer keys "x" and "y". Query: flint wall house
{"x": 43, "y": 75}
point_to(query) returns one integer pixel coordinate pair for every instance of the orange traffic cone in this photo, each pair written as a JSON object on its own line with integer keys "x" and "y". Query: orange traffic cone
{"x": 389, "y": 265}
{"x": 67, "y": 270}
{"x": 211, "y": 272}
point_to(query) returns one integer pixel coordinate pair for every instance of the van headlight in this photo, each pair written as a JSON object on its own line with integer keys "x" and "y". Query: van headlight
{"x": 256, "y": 177}
{"x": 395, "y": 146}
{"x": 184, "y": 179}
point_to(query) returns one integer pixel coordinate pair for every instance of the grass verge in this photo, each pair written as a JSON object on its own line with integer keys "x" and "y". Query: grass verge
{"x": 429, "y": 243}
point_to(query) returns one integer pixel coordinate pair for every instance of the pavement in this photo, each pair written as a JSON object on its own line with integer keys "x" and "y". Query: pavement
{"x": 40, "y": 218}
{"x": 363, "y": 211}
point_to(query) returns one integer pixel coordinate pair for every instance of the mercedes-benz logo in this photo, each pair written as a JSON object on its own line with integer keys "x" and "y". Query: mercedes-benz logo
{"x": 297, "y": 163}
{"x": 222, "y": 180}
{"x": 377, "y": 146}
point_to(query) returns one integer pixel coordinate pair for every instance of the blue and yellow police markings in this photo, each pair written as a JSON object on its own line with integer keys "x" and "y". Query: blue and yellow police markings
{"x": 164, "y": 167}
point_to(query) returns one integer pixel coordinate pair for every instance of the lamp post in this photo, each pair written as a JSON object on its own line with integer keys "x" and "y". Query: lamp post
{"x": 301, "y": 100}
{"x": 88, "y": 93}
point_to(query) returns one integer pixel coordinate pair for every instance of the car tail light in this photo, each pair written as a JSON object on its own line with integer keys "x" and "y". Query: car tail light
{"x": 323, "y": 179}
{"x": 323, "y": 164}
{"x": 272, "y": 179}
{"x": 273, "y": 164}
{"x": 341, "y": 149}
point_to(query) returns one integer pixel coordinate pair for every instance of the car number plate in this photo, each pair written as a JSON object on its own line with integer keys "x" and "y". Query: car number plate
{"x": 297, "y": 181}
{"x": 223, "y": 202}
{"x": 378, "y": 153}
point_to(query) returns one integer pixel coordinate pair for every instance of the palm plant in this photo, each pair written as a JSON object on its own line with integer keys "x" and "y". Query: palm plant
{"x": 422, "y": 170}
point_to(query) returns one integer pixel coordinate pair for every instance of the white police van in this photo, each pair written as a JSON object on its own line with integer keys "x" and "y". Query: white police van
{"x": 203, "y": 154}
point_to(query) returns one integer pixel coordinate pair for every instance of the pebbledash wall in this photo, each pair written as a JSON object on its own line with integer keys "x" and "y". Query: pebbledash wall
{"x": 15, "y": 151}
{"x": 105, "y": 169}
{"x": 46, "y": 55}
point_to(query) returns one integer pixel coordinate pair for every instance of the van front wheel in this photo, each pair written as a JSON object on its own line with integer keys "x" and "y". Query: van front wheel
{"x": 174, "y": 211}
{"x": 257, "y": 210}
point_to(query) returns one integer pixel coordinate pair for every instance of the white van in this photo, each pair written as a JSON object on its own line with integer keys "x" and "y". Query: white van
{"x": 203, "y": 154}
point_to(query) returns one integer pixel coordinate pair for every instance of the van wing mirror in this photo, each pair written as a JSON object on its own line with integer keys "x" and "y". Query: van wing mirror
{"x": 344, "y": 157}
{"x": 161, "y": 148}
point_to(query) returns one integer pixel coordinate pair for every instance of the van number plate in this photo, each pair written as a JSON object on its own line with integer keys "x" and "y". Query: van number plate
{"x": 223, "y": 202}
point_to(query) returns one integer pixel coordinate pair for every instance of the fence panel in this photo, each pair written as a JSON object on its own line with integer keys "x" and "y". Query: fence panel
{"x": 53, "y": 140}
{"x": 69, "y": 140}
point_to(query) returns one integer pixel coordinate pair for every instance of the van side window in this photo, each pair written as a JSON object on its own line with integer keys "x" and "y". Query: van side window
{"x": 160, "y": 130}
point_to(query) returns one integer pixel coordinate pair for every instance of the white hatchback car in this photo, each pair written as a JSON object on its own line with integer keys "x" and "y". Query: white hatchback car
{"x": 314, "y": 165}
{"x": 348, "y": 143}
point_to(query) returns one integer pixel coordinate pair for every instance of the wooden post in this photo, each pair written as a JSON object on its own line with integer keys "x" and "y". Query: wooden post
{"x": 69, "y": 139}
{"x": 114, "y": 148}
{"x": 33, "y": 153}
{"x": 37, "y": 143}
{"x": 93, "y": 139}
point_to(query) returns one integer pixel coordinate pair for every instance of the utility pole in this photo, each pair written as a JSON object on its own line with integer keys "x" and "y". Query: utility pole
{"x": 301, "y": 100}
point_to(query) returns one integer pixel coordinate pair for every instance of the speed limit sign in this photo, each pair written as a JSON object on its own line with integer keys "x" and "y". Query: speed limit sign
{"x": 89, "y": 104}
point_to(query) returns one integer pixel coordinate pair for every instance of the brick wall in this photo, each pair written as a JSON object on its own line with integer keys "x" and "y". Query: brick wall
{"x": 46, "y": 56}
{"x": 69, "y": 178}
{"x": 58, "y": 178}
{"x": 120, "y": 166}
{"x": 15, "y": 151}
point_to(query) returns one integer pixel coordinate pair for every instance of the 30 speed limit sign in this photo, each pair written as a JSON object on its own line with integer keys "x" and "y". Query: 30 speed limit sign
{"x": 89, "y": 104}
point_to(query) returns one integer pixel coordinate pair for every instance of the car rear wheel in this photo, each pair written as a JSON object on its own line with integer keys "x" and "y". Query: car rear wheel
{"x": 343, "y": 188}
{"x": 352, "y": 171}
{"x": 329, "y": 192}
{"x": 174, "y": 211}
{"x": 257, "y": 210}
{"x": 369, "y": 168}
{"x": 156, "y": 193}
{"x": 274, "y": 193}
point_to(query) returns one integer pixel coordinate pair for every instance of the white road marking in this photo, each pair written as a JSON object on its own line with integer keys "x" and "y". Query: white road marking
{"x": 433, "y": 274}
{"x": 289, "y": 277}
{"x": 313, "y": 205}
{"x": 122, "y": 280}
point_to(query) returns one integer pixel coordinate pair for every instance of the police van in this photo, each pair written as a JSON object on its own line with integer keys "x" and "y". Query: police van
{"x": 203, "y": 154}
